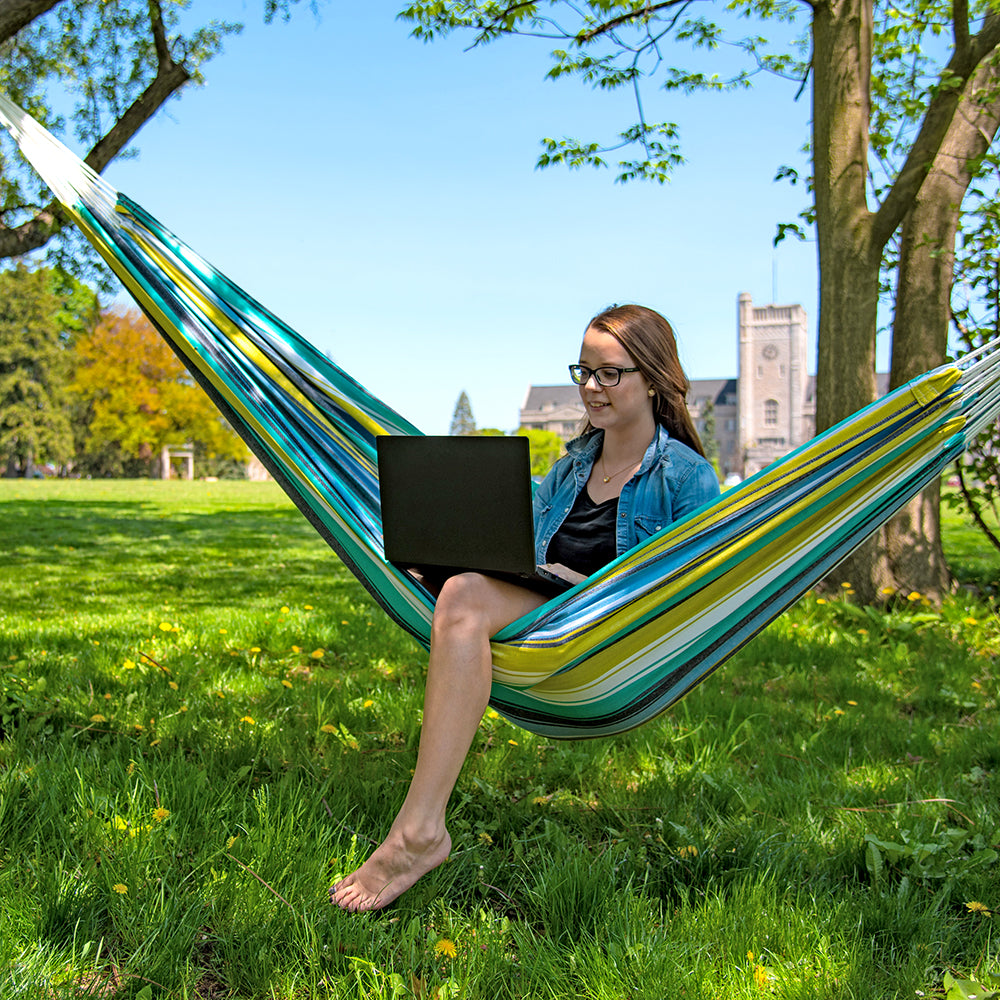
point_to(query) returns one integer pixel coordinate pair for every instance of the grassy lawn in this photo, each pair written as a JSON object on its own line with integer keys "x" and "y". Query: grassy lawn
{"x": 205, "y": 721}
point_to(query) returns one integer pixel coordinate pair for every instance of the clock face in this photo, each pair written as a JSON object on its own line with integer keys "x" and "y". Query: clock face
{"x": 770, "y": 352}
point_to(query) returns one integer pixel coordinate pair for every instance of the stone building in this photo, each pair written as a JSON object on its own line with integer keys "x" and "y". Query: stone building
{"x": 762, "y": 414}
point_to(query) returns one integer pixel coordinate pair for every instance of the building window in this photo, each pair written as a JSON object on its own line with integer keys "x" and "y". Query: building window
{"x": 770, "y": 413}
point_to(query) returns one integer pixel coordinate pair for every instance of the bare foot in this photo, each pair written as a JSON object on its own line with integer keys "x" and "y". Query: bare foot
{"x": 392, "y": 868}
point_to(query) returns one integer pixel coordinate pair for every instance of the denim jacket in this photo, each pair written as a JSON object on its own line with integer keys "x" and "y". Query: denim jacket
{"x": 672, "y": 480}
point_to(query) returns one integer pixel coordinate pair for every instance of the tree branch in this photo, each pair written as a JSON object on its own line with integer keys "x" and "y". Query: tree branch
{"x": 615, "y": 22}
{"x": 17, "y": 14}
{"x": 936, "y": 123}
{"x": 170, "y": 77}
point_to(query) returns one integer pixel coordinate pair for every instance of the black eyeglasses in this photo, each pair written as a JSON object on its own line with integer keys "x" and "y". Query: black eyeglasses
{"x": 606, "y": 375}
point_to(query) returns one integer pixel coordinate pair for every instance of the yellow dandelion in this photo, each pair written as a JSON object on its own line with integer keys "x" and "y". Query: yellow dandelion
{"x": 368, "y": 703}
{"x": 296, "y": 649}
{"x": 139, "y": 727}
{"x": 914, "y": 595}
{"x": 445, "y": 948}
{"x": 286, "y": 683}
{"x": 122, "y": 890}
{"x": 493, "y": 715}
{"x": 119, "y": 824}
{"x": 513, "y": 743}
{"x": 862, "y": 631}
{"x": 308, "y": 607}
{"x": 970, "y": 621}
{"x": 838, "y": 711}
{"x": 318, "y": 654}
{"x": 328, "y": 728}
{"x": 821, "y": 600}
{"x": 129, "y": 664}
{"x": 846, "y": 586}
{"x": 345, "y": 622}
{"x": 485, "y": 838}
{"x": 284, "y": 609}
{"x": 853, "y": 704}
{"x": 255, "y": 649}
{"x": 690, "y": 851}
{"x": 166, "y": 627}
{"x": 887, "y": 591}
{"x": 183, "y": 708}
{"x": 760, "y": 977}
{"x": 160, "y": 814}
{"x": 248, "y": 720}
{"x": 172, "y": 685}
{"x": 973, "y": 906}
{"x": 223, "y": 631}
{"x": 97, "y": 717}
{"x": 976, "y": 686}
{"x": 540, "y": 800}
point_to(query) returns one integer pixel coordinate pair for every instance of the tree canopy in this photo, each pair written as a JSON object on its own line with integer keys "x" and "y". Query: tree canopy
{"x": 902, "y": 112}
{"x": 139, "y": 397}
{"x": 39, "y": 313}
{"x": 98, "y": 68}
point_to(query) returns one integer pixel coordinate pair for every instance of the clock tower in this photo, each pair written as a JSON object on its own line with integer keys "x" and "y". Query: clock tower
{"x": 776, "y": 411}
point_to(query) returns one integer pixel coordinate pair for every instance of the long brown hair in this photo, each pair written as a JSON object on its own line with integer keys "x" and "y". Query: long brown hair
{"x": 650, "y": 341}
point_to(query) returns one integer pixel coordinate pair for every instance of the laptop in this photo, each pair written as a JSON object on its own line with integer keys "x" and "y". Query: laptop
{"x": 457, "y": 503}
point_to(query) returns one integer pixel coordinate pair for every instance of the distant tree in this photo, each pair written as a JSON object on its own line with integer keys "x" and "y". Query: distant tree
{"x": 546, "y": 448}
{"x": 139, "y": 397}
{"x": 462, "y": 421}
{"x": 41, "y": 311}
{"x": 708, "y": 439}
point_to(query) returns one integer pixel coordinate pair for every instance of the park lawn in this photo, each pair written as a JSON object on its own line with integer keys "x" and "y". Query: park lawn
{"x": 205, "y": 721}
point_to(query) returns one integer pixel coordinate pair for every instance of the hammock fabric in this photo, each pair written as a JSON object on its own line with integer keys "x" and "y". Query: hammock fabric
{"x": 630, "y": 641}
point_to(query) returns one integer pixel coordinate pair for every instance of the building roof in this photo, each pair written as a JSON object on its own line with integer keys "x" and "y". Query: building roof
{"x": 552, "y": 397}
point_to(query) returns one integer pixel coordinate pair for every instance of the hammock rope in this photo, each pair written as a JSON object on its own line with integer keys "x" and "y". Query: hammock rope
{"x": 630, "y": 641}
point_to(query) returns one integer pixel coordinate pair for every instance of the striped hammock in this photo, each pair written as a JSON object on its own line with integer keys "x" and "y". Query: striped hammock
{"x": 632, "y": 639}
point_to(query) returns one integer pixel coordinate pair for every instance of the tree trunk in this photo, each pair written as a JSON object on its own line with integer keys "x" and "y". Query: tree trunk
{"x": 848, "y": 254}
{"x": 912, "y": 539}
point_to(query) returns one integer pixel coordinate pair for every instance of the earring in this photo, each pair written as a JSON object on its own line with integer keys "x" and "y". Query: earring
{"x": 650, "y": 391}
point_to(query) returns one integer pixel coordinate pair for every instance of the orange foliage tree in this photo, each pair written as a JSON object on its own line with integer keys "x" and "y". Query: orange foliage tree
{"x": 139, "y": 398}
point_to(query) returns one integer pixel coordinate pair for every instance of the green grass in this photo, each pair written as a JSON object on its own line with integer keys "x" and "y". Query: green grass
{"x": 810, "y": 822}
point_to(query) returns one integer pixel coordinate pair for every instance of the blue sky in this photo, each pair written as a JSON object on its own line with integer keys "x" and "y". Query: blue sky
{"x": 380, "y": 195}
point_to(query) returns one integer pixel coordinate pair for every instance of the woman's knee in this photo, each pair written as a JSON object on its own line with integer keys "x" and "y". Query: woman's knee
{"x": 464, "y": 598}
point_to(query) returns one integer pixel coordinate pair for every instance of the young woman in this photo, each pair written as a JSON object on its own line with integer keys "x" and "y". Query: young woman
{"x": 637, "y": 466}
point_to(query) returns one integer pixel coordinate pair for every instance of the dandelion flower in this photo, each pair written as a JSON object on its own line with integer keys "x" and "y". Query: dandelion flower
{"x": 296, "y": 649}
{"x": 485, "y": 838}
{"x": 914, "y": 595}
{"x": 368, "y": 703}
{"x": 445, "y": 948}
{"x": 286, "y": 683}
{"x": 760, "y": 977}
{"x": 166, "y": 627}
{"x": 328, "y": 728}
{"x": 97, "y": 717}
{"x": 846, "y": 586}
{"x": 122, "y": 890}
{"x": 119, "y": 824}
{"x": 970, "y": 621}
{"x": 172, "y": 685}
{"x": 854, "y": 704}
{"x": 821, "y": 600}
{"x": 976, "y": 907}
{"x": 318, "y": 654}
{"x": 513, "y": 743}
{"x": 223, "y": 631}
{"x": 690, "y": 851}
{"x": 284, "y": 609}
{"x": 160, "y": 814}
{"x": 248, "y": 720}
{"x": 308, "y": 607}
{"x": 540, "y": 800}
{"x": 749, "y": 956}
{"x": 255, "y": 649}
{"x": 129, "y": 664}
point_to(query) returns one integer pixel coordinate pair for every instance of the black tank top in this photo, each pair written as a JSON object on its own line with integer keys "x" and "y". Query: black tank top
{"x": 585, "y": 541}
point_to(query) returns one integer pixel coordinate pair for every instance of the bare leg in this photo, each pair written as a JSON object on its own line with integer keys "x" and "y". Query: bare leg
{"x": 469, "y": 610}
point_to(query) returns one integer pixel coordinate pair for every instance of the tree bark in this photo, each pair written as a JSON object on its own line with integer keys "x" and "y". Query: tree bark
{"x": 912, "y": 539}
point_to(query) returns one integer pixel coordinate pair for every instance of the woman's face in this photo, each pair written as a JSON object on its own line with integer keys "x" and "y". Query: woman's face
{"x": 624, "y": 407}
